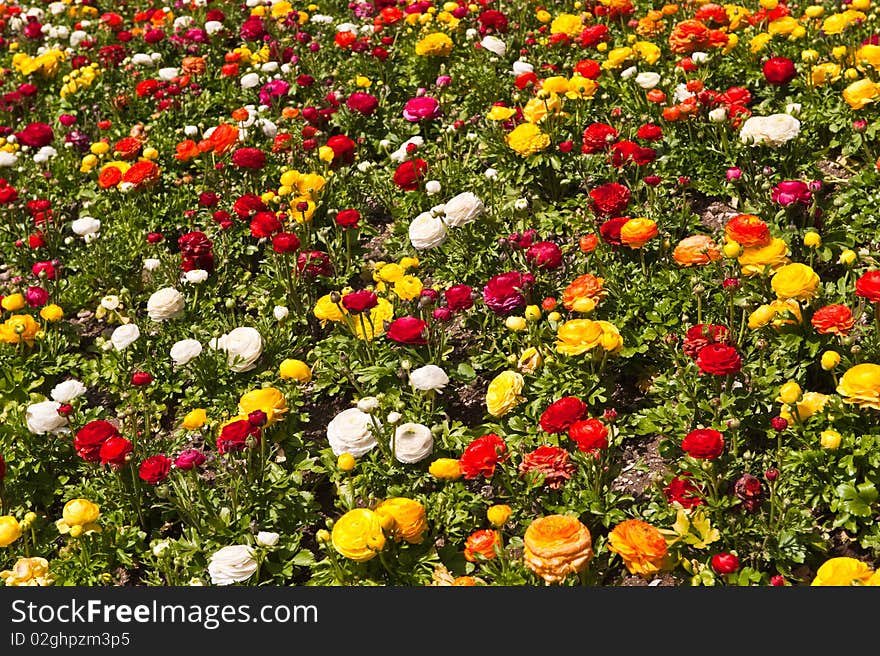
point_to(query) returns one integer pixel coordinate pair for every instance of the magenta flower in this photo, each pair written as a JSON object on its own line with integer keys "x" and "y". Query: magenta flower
{"x": 789, "y": 192}
{"x": 421, "y": 108}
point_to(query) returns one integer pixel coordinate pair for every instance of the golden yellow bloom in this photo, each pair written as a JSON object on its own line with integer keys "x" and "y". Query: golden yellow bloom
{"x": 555, "y": 84}
{"x": 515, "y": 323}
{"x": 810, "y": 404}
{"x": 567, "y": 24}
{"x": 836, "y": 23}
{"x": 19, "y": 328}
{"x": 617, "y": 57}
{"x": 409, "y": 263}
{"x": 825, "y": 73}
{"x": 374, "y": 326}
{"x": 795, "y": 280}
{"x": 783, "y": 26}
{"x": 303, "y": 216}
{"x": 407, "y": 288}
{"x": 790, "y": 392}
{"x": 814, "y": 11}
{"x": 499, "y": 113}
{"x": 754, "y": 259}
{"x": 436, "y": 44}
{"x": 268, "y": 399}
{"x": 641, "y": 546}
{"x": 10, "y": 530}
{"x": 51, "y": 313}
{"x": 327, "y": 310}
{"x": 529, "y": 360}
{"x": 527, "y": 139}
{"x": 809, "y": 56}
{"x": 537, "y": 109}
{"x": 829, "y": 439}
{"x": 543, "y": 16}
{"x": 194, "y": 419}
{"x": 13, "y": 302}
{"x": 732, "y": 249}
{"x": 532, "y": 312}
{"x": 504, "y": 393}
{"x": 861, "y": 93}
{"x": 79, "y": 514}
{"x": 28, "y": 572}
{"x": 390, "y": 272}
{"x": 847, "y": 257}
{"x": 860, "y": 385}
{"x": 556, "y": 546}
{"x": 758, "y": 42}
{"x": 410, "y": 522}
{"x": 446, "y": 469}
{"x": 580, "y": 87}
{"x": 842, "y": 571}
{"x": 636, "y": 232}
{"x": 830, "y": 360}
{"x": 291, "y": 369}
{"x": 358, "y": 535}
{"x": 345, "y": 462}
{"x": 498, "y": 514}
{"x": 646, "y": 51}
{"x": 812, "y": 239}
{"x": 578, "y": 336}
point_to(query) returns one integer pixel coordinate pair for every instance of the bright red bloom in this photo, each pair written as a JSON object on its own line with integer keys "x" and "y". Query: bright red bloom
{"x": 552, "y": 462}
{"x": 561, "y": 414}
{"x": 35, "y": 135}
{"x": 409, "y": 173}
{"x": 114, "y": 450}
{"x": 598, "y": 138}
{"x": 459, "y": 297}
{"x": 779, "y": 71}
{"x": 249, "y": 158}
{"x": 360, "y": 301}
{"x": 265, "y": 224}
{"x": 725, "y": 563}
{"x": 703, "y": 443}
{"x": 868, "y": 286}
{"x": 155, "y": 469}
{"x": 719, "y": 359}
{"x": 88, "y": 440}
{"x": 347, "y": 218}
{"x": 610, "y": 230}
{"x": 343, "y": 149}
{"x": 833, "y": 320}
{"x": 590, "y": 435}
{"x": 703, "y": 334}
{"x": 683, "y": 491}
{"x": 285, "y": 242}
{"x": 482, "y": 455}
{"x": 407, "y": 330}
{"x": 544, "y": 255}
{"x": 610, "y": 199}
{"x": 234, "y": 436}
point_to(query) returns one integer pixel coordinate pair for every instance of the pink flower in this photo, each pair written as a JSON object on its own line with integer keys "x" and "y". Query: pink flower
{"x": 421, "y": 108}
{"x": 789, "y": 192}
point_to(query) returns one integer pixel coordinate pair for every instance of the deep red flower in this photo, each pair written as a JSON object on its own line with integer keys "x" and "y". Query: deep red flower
{"x": 750, "y": 491}
{"x": 503, "y": 293}
{"x": 360, "y": 301}
{"x": 779, "y": 71}
{"x": 347, "y": 218}
{"x": 561, "y": 414}
{"x": 249, "y": 158}
{"x": 234, "y": 436}
{"x": 285, "y": 242}
{"x": 703, "y": 443}
{"x": 140, "y": 378}
{"x": 650, "y": 132}
{"x": 683, "y": 491}
{"x": 155, "y": 469}
{"x": 196, "y": 251}
{"x": 89, "y": 438}
{"x": 265, "y": 224}
{"x": 725, "y": 563}
{"x": 544, "y": 255}
{"x": 482, "y": 455}
{"x": 35, "y": 135}
{"x": 314, "y": 263}
{"x": 114, "y": 450}
{"x": 552, "y": 462}
{"x": 189, "y": 459}
{"x": 407, "y": 330}
{"x": 459, "y": 297}
{"x": 343, "y": 149}
{"x": 610, "y": 199}
{"x": 703, "y": 334}
{"x": 598, "y": 138}
{"x": 408, "y": 174}
{"x": 610, "y": 230}
{"x": 719, "y": 359}
{"x": 590, "y": 435}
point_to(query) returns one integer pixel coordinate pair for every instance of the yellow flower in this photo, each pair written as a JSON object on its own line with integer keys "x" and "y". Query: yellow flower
{"x": 326, "y": 154}
{"x": 19, "y": 328}
{"x": 829, "y": 439}
{"x": 358, "y": 535}
{"x": 345, "y": 462}
{"x": 646, "y": 51}
{"x": 99, "y": 148}
{"x": 533, "y": 312}
{"x": 515, "y": 324}
{"x": 13, "y": 302}
{"x": 498, "y": 514}
{"x": 410, "y": 521}
{"x": 555, "y": 84}
{"x": 194, "y": 419}
{"x": 830, "y": 360}
{"x": 758, "y": 42}
{"x": 407, "y": 288}
{"x": 10, "y": 530}
{"x": 861, "y": 385}
{"x": 783, "y": 26}
{"x": 761, "y": 316}
{"x": 836, "y": 23}
{"x": 504, "y": 393}
{"x": 297, "y": 370}
{"x": 868, "y": 54}
{"x": 847, "y": 257}
{"x": 556, "y": 546}
{"x": 499, "y": 113}
{"x": 543, "y": 16}
{"x": 268, "y": 399}
{"x": 795, "y": 280}
{"x": 567, "y": 24}
{"x": 79, "y": 514}
{"x": 537, "y": 109}
{"x": 731, "y": 249}
{"x": 825, "y": 73}
{"x": 302, "y": 216}
{"x": 812, "y": 239}
{"x": 580, "y": 87}
{"x": 529, "y": 360}
{"x": 327, "y": 310}
{"x": 861, "y": 93}
{"x": 790, "y": 392}
{"x": 842, "y": 571}
{"x": 409, "y": 263}
{"x": 52, "y": 313}
{"x": 527, "y": 139}
{"x": 617, "y": 57}
{"x": 436, "y": 44}
{"x": 809, "y": 56}
{"x": 374, "y": 326}
{"x": 578, "y": 336}
{"x": 28, "y": 572}
{"x": 810, "y": 404}
{"x": 814, "y": 11}
{"x": 636, "y": 232}
{"x": 446, "y": 469}
{"x": 754, "y": 259}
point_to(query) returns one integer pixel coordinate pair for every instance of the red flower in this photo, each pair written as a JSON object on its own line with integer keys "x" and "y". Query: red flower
{"x": 196, "y": 251}
{"x": 482, "y": 455}
{"x": 139, "y": 378}
{"x": 610, "y": 230}
{"x": 561, "y": 414}
{"x": 285, "y": 242}
{"x": 407, "y": 330}
{"x": 343, "y": 149}
{"x": 610, "y": 199}
{"x": 408, "y": 174}
{"x": 593, "y": 35}
{"x": 719, "y": 359}
{"x": 360, "y": 301}
{"x": 482, "y": 543}
{"x": 114, "y": 450}
{"x": 552, "y": 462}
{"x": 88, "y": 440}
{"x": 459, "y": 297}
{"x": 234, "y": 436}
{"x": 590, "y": 435}
{"x": 35, "y": 135}
{"x": 247, "y": 205}
{"x": 598, "y": 138}
{"x": 265, "y": 224}
{"x": 833, "y": 320}
{"x": 347, "y": 218}
{"x": 504, "y": 292}
{"x": 249, "y": 158}
{"x": 624, "y": 152}
{"x": 779, "y": 71}
{"x": 362, "y": 103}
{"x": 314, "y": 263}
{"x": 683, "y": 491}
{"x": 703, "y": 443}
{"x": 650, "y": 132}
{"x": 142, "y": 174}
{"x": 750, "y": 491}
{"x": 868, "y": 286}
{"x": 155, "y": 469}
{"x": 544, "y": 255}
{"x": 725, "y": 563}
{"x": 702, "y": 335}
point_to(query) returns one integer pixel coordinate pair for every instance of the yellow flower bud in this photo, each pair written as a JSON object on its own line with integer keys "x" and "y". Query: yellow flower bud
{"x": 99, "y": 148}
{"x": 731, "y": 249}
{"x": 323, "y": 535}
{"x": 790, "y": 392}
{"x": 847, "y": 257}
{"x": 769, "y": 5}
{"x": 76, "y": 530}
{"x": 151, "y": 153}
{"x": 13, "y": 302}
{"x": 297, "y": 370}
{"x": 809, "y": 56}
{"x": 515, "y": 324}
{"x": 851, "y": 74}
{"x": 554, "y": 316}
{"x": 860, "y": 5}
{"x": 830, "y": 359}
{"x": 498, "y": 514}
{"x": 325, "y": 154}
{"x": 812, "y": 239}
{"x": 194, "y": 419}
{"x": 345, "y": 462}
{"x": 814, "y": 11}
{"x": 829, "y": 439}
{"x": 533, "y": 312}
{"x": 838, "y": 52}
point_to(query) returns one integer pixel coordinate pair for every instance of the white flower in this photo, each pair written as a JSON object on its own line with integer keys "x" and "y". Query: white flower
{"x": 412, "y": 442}
{"x": 141, "y": 59}
{"x": 124, "y": 336}
{"x": 520, "y": 67}
{"x": 682, "y": 93}
{"x": 168, "y": 73}
{"x": 718, "y": 115}
{"x": 7, "y": 159}
{"x": 628, "y": 72}
{"x": 77, "y": 37}
{"x": 86, "y": 227}
{"x": 699, "y": 57}
{"x": 462, "y": 209}
{"x": 160, "y": 547}
{"x": 191, "y": 130}
{"x": 432, "y": 187}
{"x": 165, "y": 304}
{"x": 67, "y": 391}
{"x": 195, "y": 276}
{"x": 280, "y": 312}
{"x": 243, "y": 345}
{"x": 232, "y": 564}
{"x": 44, "y": 154}
{"x": 427, "y": 231}
{"x": 773, "y": 130}
{"x": 400, "y": 155}
{"x": 427, "y": 378}
{"x": 368, "y": 404}
{"x": 250, "y": 80}
{"x": 648, "y": 79}
{"x": 491, "y": 173}
{"x": 43, "y": 417}
{"x": 351, "y": 431}
{"x": 185, "y": 350}
{"x": 212, "y": 27}
{"x": 494, "y": 45}
{"x": 110, "y": 302}
{"x": 520, "y": 203}
{"x": 151, "y": 264}
{"x": 267, "y": 538}
{"x": 793, "y": 108}
{"x": 393, "y": 417}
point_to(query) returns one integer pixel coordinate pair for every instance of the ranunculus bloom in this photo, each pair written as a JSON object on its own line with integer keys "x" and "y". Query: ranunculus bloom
{"x": 408, "y": 174}
{"x": 421, "y": 108}
{"x": 362, "y": 103}
{"x": 637, "y": 232}
{"x": 462, "y": 209}
{"x": 779, "y": 71}
{"x": 610, "y": 230}
{"x": 459, "y": 297}
{"x": 35, "y": 135}
{"x": 578, "y": 336}
{"x": 610, "y": 199}
{"x": 249, "y": 158}
{"x": 860, "y": 385}
{"x": 352, "y": 431}
{"x": 703, "y": 334}
{"x": 89, "y": 438}
{"x": 868, "y": 286}
{"x": 749, "y": 490}
{"x": 842, "y": 571}
{"x": 696, "y": 250}
{"x": 789, "y": 192}
{"x": 527, "y": 139}
{"x": 504, "y": 393}
{"x": 552, "y": 462}
{"x": 481, "y": 456}
{"x": 755, "y": 260}
{"x": 114, "y": 450}
{"x": 747, "y": 230}
{"x": 719, "y": 359}
{"x": 408, "y": 520}
{"x": 562, "y": 413}
{"x": 189, "y": 459}
{"x": 482, "y": 544}
{"x": 155, "y": 469}
{"x": 347, "y": 218}
{"x": 725, "y": 563}
{"x": 584, "y": 293}
{"x": 243, "y": 346}
{"x": 641, "y": 546}
{"x": 556, "y": 546}
{"x": 412, "y": 443}
{"x": 357, "y": 535}
{"x": 407, "y": 330}
{"x": 360, "y": 301}
{"x": 598, "y": 138}
{"x": 268, "y": 399}
{"x": 833, "y": 319}
{"x": 773, "y": 130}
{"x": 703, "y": 443}
{"x": 164, "y": 304}
{"x": 544, "y": 255}
{"x": 795, "y": 280}
{"x": 590, "y": 435}
{"x": 232, "y": 564}
{"x": 503, "y": 293}
{"x": 683, "y": 491}
{"x": 44, "y": 418}
{"x": 234, "y": 436}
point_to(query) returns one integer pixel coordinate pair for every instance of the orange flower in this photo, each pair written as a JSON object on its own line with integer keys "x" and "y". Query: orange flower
{"x": 482, "y": 542}
{"x": 583, "y": 293}
{"x": 696, "y": 250}
{"x": 556, "y": 546}
{"x": 193, "y": 65}
{"x": 127, "y": 147}
{"x": 689, "y": 36}
{"x": 637, "y": 232}
{"x": 834, "y": 319}
{"x": 223, "y": 138}
{"x": 240, "y": 114}
{"x": 109, "y": 176}
{"x": 186, "y": 150}
{"x": 747, "y": 230}
{"x": 641, "y": 546}
{"x": 588, "y": 243}
{"x": 142, "y": 174}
